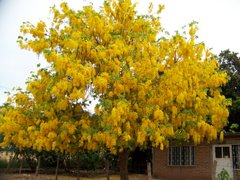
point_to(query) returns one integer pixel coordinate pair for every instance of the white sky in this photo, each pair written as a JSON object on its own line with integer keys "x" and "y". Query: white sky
{"x": 219, "y": 28}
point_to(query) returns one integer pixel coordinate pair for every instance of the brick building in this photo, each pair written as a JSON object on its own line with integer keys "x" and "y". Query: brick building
{"x": 201, "y": 162}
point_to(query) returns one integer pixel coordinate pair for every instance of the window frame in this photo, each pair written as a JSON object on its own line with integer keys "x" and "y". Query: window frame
{"x": 236, "y": 156}
{"x": 184, "y": 159}
{"x": 222, "y": 151}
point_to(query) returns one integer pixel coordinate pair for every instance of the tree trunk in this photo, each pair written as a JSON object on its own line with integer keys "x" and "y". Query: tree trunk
{"x": 107, "y": 168}
{"x": 21, "y": 165}
{"x": 38, "y": 166}
{"x": 149, "y": 171}
{"x": 78, "y": 168}
{"x": 9, "y": 163}
{"x": 123, "y": 158}
{"x": 57, "y": 167}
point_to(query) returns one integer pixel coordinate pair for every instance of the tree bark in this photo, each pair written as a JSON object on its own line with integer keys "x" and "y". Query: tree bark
{"x": 9, "y": 163}
{"x": 38, "y": 166}
{"x": 107, "y": 168}
{"x": 57, "y": 167}
{"x": 123, "y": 158}
{"x": 21, "y": 165}
{"x": 149, "y": 171}
{"x": 78, "y": 166}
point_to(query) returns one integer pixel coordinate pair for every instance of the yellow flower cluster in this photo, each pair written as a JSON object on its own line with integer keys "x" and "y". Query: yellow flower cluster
{"x": 149, "y": 89}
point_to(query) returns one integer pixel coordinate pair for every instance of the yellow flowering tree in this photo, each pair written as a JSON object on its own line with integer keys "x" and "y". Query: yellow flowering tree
{"x": 151, "y": 88}
{"x": 37, "y": 119}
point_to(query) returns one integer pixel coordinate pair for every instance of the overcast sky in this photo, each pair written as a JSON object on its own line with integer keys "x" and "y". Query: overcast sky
{"x": 219, "y": 26}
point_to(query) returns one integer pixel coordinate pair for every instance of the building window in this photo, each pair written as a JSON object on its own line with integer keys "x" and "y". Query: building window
{"x": 236, "y": 156}
{"x": 222, "y": 152}
{"x": 218, "y": 152}
{"x": 181, "y": 156}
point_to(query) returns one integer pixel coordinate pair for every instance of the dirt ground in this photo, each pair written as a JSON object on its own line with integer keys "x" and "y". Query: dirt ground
{"x": 62, "y": 177}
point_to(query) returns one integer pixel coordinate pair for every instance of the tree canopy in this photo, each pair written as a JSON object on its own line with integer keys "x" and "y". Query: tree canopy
{"x": 152, "y": 88}
{"x": 230, "y": 62}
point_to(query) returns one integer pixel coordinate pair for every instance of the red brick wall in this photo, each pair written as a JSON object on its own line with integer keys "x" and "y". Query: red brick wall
{"x": 236, "y": 174}
{"x": 203, "y": 168}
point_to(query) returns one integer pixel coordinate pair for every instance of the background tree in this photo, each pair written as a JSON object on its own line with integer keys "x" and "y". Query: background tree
{"x": 151, "y": 88}
{"x": 35, "y": 120}
{"x": 230, "y": 62}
